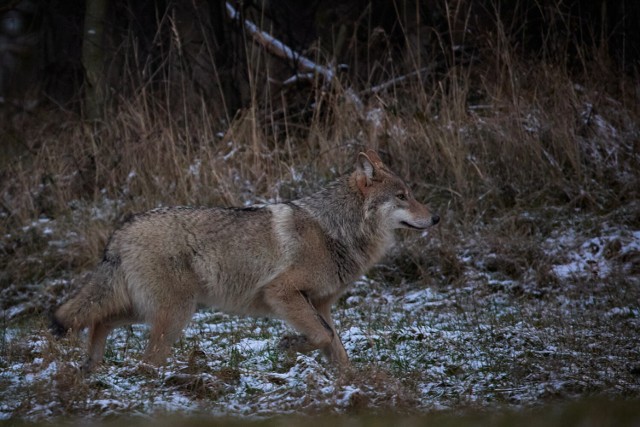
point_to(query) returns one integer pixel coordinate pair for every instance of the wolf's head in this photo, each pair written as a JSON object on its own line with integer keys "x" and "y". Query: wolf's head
{"x": 387, "y": 196}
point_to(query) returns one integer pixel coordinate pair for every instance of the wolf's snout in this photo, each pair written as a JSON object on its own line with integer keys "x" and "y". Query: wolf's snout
{"x": 435, "y": 219}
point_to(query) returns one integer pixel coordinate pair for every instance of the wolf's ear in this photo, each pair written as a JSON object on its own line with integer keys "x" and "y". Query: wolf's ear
{"x": 364, "y": 172}
{"x": 374, "y": 158}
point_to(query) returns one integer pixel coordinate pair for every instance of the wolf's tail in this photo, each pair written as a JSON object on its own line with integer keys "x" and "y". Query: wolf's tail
{"x": 95, "y": 301}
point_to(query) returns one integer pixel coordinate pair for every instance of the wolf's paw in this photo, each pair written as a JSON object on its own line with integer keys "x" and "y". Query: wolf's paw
{"x": 88, "y": 366}
{"x": 294, "y": 343}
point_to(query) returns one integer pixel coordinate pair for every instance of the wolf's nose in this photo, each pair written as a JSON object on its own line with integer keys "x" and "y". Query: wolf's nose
{"x": 435, "y": 219}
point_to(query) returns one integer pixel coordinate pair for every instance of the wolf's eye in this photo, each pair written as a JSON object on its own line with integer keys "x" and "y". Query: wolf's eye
{"x": 401, "y": 196}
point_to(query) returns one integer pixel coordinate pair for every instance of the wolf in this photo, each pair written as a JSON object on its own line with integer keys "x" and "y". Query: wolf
{"x": 290, "y": 261}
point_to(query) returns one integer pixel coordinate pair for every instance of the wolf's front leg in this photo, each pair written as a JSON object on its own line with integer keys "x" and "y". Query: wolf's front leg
{"x": 336, "y": 352}
{"x": 295, "y": 343}
{"x": 292, "y": 305}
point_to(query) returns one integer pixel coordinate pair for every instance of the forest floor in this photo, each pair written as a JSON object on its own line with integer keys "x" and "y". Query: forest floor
{"x": 478, "y": 333}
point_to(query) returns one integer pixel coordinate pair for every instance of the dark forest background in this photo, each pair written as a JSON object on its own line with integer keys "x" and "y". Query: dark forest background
{"x": 147, "y": 42}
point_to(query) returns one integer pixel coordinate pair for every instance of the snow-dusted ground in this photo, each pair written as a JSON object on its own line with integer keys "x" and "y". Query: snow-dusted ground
{"x": 488, "y": 339}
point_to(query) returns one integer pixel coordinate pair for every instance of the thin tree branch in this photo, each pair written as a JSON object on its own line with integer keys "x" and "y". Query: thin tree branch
{"x": 278, "y": 48}
{"x": 281, "y": 50}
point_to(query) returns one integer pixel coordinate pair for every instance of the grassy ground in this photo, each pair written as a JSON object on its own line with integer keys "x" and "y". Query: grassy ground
{"x": 528, "y": 293}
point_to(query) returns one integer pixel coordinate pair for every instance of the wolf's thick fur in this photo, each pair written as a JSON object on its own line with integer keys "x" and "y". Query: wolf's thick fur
{"x": 287, "y": 260}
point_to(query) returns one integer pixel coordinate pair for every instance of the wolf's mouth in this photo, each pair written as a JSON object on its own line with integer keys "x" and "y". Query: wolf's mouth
{"x": 406, "y": 224}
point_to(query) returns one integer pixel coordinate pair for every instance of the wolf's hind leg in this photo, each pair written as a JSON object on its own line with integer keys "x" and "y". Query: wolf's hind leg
{"x": 97, "y": 340}
{"x": 98, "y": 333}
{"x": 166, "y": 327}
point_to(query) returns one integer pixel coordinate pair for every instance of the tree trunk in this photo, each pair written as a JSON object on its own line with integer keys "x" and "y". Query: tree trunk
{"x": 93, "y": 58}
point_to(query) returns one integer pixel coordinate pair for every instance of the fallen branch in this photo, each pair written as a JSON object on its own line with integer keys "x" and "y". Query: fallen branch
{"x": 297, "y": 78}
{"x": 383, "y": 86}
{"x": 281, "y": 50}
{"x": 278, "y": 48}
